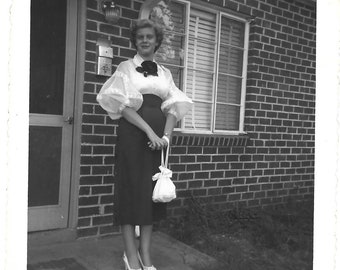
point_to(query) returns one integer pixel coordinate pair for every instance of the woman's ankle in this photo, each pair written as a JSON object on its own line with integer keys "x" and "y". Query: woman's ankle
{"x": 133, "y": 260}
{"x": 146, "y": 258}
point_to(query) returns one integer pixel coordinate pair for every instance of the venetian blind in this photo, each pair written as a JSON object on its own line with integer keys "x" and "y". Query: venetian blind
{"x": 201, "y": 69}
{"x": 229, "y": 85}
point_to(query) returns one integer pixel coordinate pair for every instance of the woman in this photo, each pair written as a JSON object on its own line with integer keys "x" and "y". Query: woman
{"x": 143, "y": 96}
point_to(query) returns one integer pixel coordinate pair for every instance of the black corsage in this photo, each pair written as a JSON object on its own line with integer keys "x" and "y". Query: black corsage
{"x": 148, "y": 68}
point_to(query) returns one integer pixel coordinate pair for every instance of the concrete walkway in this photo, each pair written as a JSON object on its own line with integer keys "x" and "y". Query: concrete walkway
{"x": 106, "y": 254}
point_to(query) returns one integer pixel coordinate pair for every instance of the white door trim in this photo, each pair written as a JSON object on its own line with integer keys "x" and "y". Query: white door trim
{"x": 78, "y": 108}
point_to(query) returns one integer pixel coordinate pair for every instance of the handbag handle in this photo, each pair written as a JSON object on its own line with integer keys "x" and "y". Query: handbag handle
{"x": 165, "y": 163}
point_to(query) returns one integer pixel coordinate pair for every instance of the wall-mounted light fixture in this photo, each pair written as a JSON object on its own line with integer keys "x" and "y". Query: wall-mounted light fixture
{"x": 111, "y": 11}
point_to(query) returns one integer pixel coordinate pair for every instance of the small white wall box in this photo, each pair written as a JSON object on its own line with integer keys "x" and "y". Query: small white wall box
{"x": 104, "y": 57}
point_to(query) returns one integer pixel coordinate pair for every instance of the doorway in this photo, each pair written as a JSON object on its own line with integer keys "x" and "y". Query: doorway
{"x": 52, "y": 92}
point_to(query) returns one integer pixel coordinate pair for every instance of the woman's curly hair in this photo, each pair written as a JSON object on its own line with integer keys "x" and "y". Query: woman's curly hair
{"x": 145, "y": 23}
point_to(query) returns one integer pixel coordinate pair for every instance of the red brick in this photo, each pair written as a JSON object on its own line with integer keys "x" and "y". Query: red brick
{"x": 91, "y": 4}
{"x": 128, "y": 13}
{"x": 193, "y": 167}
{"x": 102, "y": 220}
{"x": 247, "y": 196}
{"x": 201, "y": 175}
{"x": 101, "y": 189}
{"x": 87, "y": 232}
{"x": 210, "y": 183}
{"x": 90, "y": 180}
{"x": 108, "y": 229}
{"x": 102, "y": 150}
{"x": 95, "y": 15}
{"x": 214, "y": 191}
{"x": 91, "y": 25}
{"x": 195, "y": 184}
{"x": 91, "y": 200}
{"x": 199, "y": 192}
{"x": 234, "y": 197}
{"x": 88, "y": 211}
{"x": 241, "y": 188}
{"x": 85, "y": 170}
{"x": 84, "y": 222}
{"x": 217, "y": 174}
{"x": 84, "y": 191}
{"x": 109, "y": 29}
{"x": 185, "y": 176}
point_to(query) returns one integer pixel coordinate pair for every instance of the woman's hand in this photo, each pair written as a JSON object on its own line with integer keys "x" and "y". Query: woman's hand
{"x": 134, "y": 118}
{"x": 156, "y": 143}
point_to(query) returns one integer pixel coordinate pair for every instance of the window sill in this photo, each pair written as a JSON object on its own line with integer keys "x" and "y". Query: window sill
{"x": 194, "y": 139}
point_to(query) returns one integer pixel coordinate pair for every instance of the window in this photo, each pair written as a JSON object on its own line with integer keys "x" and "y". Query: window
{"x": 206, "y": 51}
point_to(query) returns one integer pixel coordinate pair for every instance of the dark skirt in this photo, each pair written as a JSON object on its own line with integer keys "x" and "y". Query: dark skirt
{"x": 135, "y": 165}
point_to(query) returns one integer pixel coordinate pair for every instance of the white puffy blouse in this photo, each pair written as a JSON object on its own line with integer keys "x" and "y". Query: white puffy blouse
{"x": 126, "y": 88}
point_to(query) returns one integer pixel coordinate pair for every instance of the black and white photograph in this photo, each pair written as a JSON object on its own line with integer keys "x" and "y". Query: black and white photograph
{"x": 170, "y": 135}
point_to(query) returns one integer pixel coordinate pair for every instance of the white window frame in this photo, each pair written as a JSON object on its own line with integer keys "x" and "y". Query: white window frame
{"x": 219, "y": 14}
{"x": 244, "y": 74}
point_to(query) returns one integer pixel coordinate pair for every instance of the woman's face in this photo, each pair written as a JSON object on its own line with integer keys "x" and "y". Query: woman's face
{"x": 146, "y": 42}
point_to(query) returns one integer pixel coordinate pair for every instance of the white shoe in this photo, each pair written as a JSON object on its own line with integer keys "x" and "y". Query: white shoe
{"x": 126, "y": 262}
{"x": 145, "y": 267}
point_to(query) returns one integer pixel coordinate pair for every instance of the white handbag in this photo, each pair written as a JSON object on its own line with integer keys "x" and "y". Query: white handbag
{"x": 165, "y": 189}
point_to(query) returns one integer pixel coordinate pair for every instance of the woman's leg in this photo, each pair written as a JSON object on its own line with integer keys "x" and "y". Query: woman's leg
{"x": 145, "y": 244}
{"x": 130, "y": 245}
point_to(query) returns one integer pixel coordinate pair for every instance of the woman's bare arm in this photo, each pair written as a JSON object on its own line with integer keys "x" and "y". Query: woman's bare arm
{"x": 134, "y": 118}
{"x": 170, "y": 124}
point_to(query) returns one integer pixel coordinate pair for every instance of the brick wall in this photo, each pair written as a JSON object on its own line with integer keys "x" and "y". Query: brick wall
{"x": 273, "y": 162}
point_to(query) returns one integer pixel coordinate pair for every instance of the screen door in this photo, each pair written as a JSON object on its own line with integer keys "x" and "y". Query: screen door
{"x": 52, "y": 81}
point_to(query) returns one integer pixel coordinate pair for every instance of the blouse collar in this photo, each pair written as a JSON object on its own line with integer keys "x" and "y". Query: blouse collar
{"x": 138, "y": 60}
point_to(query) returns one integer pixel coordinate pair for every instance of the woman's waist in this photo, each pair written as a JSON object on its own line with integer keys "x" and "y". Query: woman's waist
{"x": 151, "y": 100}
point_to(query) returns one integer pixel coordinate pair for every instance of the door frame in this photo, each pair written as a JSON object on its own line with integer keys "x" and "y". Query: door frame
{"x": 78, "y": 109}
{"x": 78, "y": 9}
